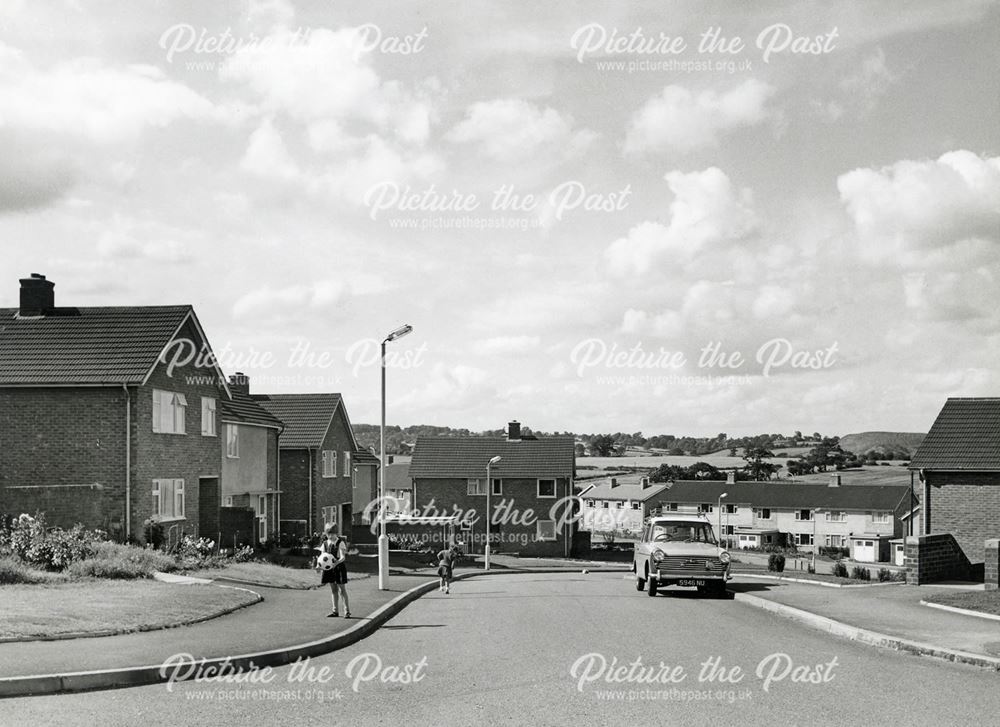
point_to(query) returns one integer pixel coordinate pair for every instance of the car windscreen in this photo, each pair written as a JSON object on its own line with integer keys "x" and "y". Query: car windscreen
{"x": 683, "y": 532}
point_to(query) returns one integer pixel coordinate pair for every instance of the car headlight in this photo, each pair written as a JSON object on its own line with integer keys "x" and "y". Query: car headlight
{"x": 725, "y": 557}
{"x": 658, "y": 554}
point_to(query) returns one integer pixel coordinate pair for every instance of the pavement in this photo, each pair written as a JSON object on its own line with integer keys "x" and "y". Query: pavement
{"x": 288, "y": 618}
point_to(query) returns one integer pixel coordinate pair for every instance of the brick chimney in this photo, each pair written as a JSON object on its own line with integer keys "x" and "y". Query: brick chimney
{"x": 240, "y": 382}
{"x": 614, "y": 483}
{"x": 37, "y": 295}
{"x": 731, "y": 477}
{"x": 644, "y": 482}
{"x": 514, "y": 431}
{"x": 834, "y": 480}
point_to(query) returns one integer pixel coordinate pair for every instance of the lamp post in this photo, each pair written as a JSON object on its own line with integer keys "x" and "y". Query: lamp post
{"x": 721, "y": 498}
{"x": 383, "y": 539}
{"x": 489, "y": 516}
{"x": 815, "y": 542}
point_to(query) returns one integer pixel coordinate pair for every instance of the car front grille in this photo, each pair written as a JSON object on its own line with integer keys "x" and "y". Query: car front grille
{"x": 690, "y": 564}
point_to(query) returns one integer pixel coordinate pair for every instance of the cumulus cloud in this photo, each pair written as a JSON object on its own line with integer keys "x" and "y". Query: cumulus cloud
{"x": 679, "y": 120}
{"x": 274, "y": 303}
{"x": 924, "y": 204}
{"x": 513, "y": 129}
{"x": 506, "y": 345}
{"x": 707, "y": 211}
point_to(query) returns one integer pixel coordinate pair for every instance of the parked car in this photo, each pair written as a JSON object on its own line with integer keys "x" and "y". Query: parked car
{"x": 680, "y": 549}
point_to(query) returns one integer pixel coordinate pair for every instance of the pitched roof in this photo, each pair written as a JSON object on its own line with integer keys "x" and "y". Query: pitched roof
{"x": 789, "y": 494}
{"x": 965, "y": 436}
{"x": 467, "y": 457}
{"x": 306, "y": 416}
{"x": 363, "y": 456}
{"x": 624, "y": 491}
{"x": 105, "y": 345}
{"x": 243, "y": 408}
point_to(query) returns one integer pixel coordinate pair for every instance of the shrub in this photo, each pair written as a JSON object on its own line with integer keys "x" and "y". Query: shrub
{"x": 776, "y": 562}
{"x": 29, "y": 539}
{"x": 860, "y": 573}
{"x": 243, "y": 555}
{"x": 195, "y": 553}
{"x": 114, "y": 560}
{"x": 884, "y": 575}
{"x": 839, "y": 569}
{"x": 13, "y": 571}
{"x": 152, "y": 532}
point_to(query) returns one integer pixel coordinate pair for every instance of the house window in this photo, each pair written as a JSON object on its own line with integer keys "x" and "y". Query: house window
{"x": 672, "y": 506}
{"x": 228, "y": 502}
{"x": 329, "y": 515}
{"x": 497, "y": 486}
{"x": 207, "y": 416}
{"x": 605, "y": 504}
{"x": 705, "y": 507}
{"x": 232, "y": 441}
{"x": 168, "y": 412}
{"x": 803, "y": 539}
{"x": 731, "y": 509}
{"x": 347, "y": 464}
{"x": 620, "y": 505}
{"x": 168, "y": 499}
{"x": 880, "y": 517}
{"x": 763, "y": 513}
{"x": 636, "y": 506}
{"x": 590, "y": 503}
{"x": 546, "y": 530}
{"x": 835, "y": 516}
{"x": 803, "y": 514}
{"x": 730, "y": 529}
{"x": 329, "y": 463}
{"x": 546, "y": 488}
{"x": 835, "y": 541}
{"x": 476, "y": 486}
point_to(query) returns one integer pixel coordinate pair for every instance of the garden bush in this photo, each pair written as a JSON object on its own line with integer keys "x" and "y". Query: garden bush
{"x": 13, "y": 570}
{"x": 195, "y": 553}
{"x": 29, "y": 539}
{"x": 114, "y": 560}
{"x": 839, "y": 569}
{"x": 776, "y": 562}
{"x": 885, "y": 575}
{"x": 860, "y": 573}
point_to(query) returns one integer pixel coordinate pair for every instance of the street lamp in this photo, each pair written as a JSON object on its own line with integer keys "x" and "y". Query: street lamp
{"x": 383, "y": 539}
{"x": 721, "y": 498}
{"x": 815, "y": 542}
{"x": 489, "y": 491}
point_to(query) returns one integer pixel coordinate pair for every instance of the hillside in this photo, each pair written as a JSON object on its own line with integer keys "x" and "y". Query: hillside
{"x": 863, "y": 442}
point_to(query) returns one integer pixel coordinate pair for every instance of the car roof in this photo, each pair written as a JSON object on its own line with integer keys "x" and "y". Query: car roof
{"x": 678, "y": 517}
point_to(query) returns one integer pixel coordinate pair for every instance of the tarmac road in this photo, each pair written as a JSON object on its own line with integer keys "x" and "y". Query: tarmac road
{"x": 538, "y": 649}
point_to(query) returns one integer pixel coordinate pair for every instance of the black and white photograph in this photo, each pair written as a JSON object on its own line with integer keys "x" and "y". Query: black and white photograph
{"x": 564, "y": 363}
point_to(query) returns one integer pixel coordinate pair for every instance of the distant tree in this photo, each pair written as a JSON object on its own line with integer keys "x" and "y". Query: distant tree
{"x": 757, "y": 467}
{"x": 580, "y": 450}
{"x": 602, "y": 445}
{"x": 676, "y": 452}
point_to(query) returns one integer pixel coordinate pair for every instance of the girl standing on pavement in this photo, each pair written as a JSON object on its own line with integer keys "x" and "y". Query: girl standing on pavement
{"x": 336, "y": 576}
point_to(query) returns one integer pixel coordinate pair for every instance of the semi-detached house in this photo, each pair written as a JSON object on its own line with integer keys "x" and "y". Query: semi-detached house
{"x": 106, "y": 420}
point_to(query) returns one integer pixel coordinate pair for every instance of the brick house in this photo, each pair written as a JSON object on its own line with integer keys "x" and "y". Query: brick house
{"x": 860, "y": 518}
{"x": 616, "y": 507}
{"x": 250, "y": 454}
{"x": 959, "y": 467}
{"x": 317, "y": 454}
{"x": 532, "y": 489}
{"x": 109, "y": 416}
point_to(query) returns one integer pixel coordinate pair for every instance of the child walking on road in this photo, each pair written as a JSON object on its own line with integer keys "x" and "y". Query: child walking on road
{"x": 446, "y": 564}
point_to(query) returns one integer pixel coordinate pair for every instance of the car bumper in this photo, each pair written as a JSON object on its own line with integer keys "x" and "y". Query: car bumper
{"x": 668, "y": 577}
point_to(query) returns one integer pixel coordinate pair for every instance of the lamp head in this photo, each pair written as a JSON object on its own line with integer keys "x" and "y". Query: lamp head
{"x": 399, "y": 332}
{"x": 723, "y": 495}
{"x": 496, "y": 459}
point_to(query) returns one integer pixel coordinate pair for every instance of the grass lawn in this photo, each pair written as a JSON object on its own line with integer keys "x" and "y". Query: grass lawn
{"x": 804, "y": 575}
{"x": 93, "y": 606}
{"x": 984, "y": 601}
{"x": 264, "y": 573}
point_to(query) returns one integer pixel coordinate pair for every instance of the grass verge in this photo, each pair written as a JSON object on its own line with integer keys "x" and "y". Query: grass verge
{"x": 982, "y": 601}
{"x": 91, "y": 607}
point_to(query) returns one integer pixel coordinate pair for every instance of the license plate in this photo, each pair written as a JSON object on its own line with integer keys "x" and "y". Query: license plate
{"x": 691, "y": 582}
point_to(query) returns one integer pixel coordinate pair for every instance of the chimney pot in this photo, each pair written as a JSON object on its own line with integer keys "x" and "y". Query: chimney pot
{"x": 614, "y": 482}
{"x": 240, "y": 382}
{"x": 644, "y": 482}
{"x": 37, "y": 295}
{"x": 835, "y": 479}
{"x": 731, "y": 477}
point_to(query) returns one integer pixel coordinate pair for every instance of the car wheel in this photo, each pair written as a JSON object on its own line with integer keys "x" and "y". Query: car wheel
{"x": 640, "y": 583}
{"x": 651, "y": 587}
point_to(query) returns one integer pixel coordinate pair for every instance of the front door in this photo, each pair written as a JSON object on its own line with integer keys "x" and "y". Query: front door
{"x": 344, "y": 523}
{"x": 262, "y": 529}
{"x": 208, "y": 507}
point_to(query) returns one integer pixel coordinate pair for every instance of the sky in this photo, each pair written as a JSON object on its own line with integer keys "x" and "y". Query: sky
{"x": 668, "y": 217}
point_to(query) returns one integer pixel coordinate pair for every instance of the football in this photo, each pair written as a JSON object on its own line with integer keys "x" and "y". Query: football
{"x": 325, "y": 561}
